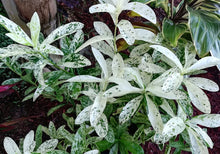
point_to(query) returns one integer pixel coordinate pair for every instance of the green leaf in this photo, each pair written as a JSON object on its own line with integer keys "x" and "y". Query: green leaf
{"x": 204, "y": 27}
{"x": 38, "y": 136}
{"x": 35, "y": 29}
{"x": 132, "y": 147}
{"x": 53, "y": 109}
{"x": 114, "y": 149}
{"x": 104, "y": 145}
{"x": 38, "y": 92}
{"x": 29, "y": 90}
{"x": 110, "y": 137}
{"x": 172, "y": 31}
{"x": 62, "y": 31}
{"x": 215, "y": 51}
{"x": 57, "y": 152}
{"x": 11, "y": 81}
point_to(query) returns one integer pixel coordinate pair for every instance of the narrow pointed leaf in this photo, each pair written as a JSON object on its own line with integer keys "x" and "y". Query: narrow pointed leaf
{"x": 151, "y": 68}
{"x": 101, "y": 126}
{"x": 166, "y": 107}
{"x": 207, "y": 120}
{"x": 102, "y": 8}
{"x": 129, "y": 109}
{"x": 198, "y": 97}
{"x": 29, "y": 143}
{"x": 63, "y": 31}
{"x": 39, "y": 91}
{"x": 215, "y": 51}
{"x": 118, "y": 66}
{"x": 205, "y": 84}
{"x": 133, "y": 74}
{"x": 83, "y": 116}
{"x": 143, "y": 10}
{"x": 18, "y": 39}
{"x": 80, "y": 62}
{"x": 10, "y": 146}
{"x": 49, "y": 49}
{"x": 98, "y": 108}
{"x": 35, "y": 29}
{"x": 84, "y": 78}
{"x": 103, "y": 47}
{"x": 47, "y": 146}
{"x": 204, "y": 63}
{"x": 127, "y": 31}
{"x": 169, "y": 54}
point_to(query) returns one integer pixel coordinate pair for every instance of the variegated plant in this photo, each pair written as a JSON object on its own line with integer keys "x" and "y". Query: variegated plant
{"x": 136, "y": 89}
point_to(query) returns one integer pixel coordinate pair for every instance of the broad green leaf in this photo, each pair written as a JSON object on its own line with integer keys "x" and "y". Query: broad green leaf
{"x": 127, "y": 31}
{"x": 205, "y": 84}
{"x": 172, "y": 31}
{"x": 169, "y": 54}
{"x": 145, "y": 35}
{"x": 92, "y": 152}
{"x": 102, "y": 8}
{"x": 15, "y": 50}
{"x": 15, "y": 30}
{"x": 98, "y": 108}
{"x": 28, "y": 97}
{"x": 154, "y": 115}
{"x": 207, "y": 120}
{"x": 39, "y": 91}
{"x": 29, "y": 143}
{"x": 197, "y": 145}
{"x": 49, "y": 49}
{"x": 99, "y": 57}
{"x": 215, "y": 51}
{"x": 173, "y": 127}
{"x": 83, "y": 116}
{"x": 203, "y": 63}
{"x": 172, "y": 82}
{"x": 129, "y": 109}
{"x": 10, "y": 146}
{"x": 35, "y": 29}
{"x": 101, "y": 126}
{"x": 93, "y": 40}
{"x": 204, "y": 135}
{"x": 38, "y": 136}
{"x": 204, "y": 27}
{"x": 84, "y": 78}
{"x": 103, "y": 47}
{"x": 62, "y": 31}
{"x": 143, "y": 10}
{"x": 198, "y": 97}
{"x": 132, "y": 147}
{"x": 11, "y": 81}
{"x": 47, "y": 146}
{"x": 118, "y": 66}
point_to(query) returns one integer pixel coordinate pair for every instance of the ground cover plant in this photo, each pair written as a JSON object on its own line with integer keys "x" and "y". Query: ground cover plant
{"x": 126, "y": 99}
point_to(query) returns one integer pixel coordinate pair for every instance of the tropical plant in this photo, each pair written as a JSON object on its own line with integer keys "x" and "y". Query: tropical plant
{"x": 150, "y": 89}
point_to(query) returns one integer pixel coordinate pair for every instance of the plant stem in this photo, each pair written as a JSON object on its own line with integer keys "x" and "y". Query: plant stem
{"x": 115, "y": 44}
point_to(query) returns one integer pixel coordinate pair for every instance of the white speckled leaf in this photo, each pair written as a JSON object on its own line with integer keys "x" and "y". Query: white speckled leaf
{"x": 102, "y": 29}
{"x": 79, "y": 143}
{"x": 172, "y": 82}
{"x": 47, "y": 146}
{"x": 99, "y": 57}
{"x": 101, "y": 127}
{"x": 63, "y": 31}
{"x": 80, "y": 62}
{"x": 169, "y": 54}
{"x": 84, "y": 78}
{"x": 197, "y": 145}
{"x": 204, "y": 63}
{"x": 39, "y": 91}
{"x": 16, "y": 30}
{"x": 103, "y": 47}
{"x": 118, "y": 66}
{"x": 198, "y": 97}
{"x": 98, "y": 108}
{"x": 35, "y": 29}
{"x": 102, "y": 8}
{"x": 173, "y": 127}
{"x": 15, "y": 50}
{"x": 92, "y": 152}
{"x": 127, "y": 31}
{"x": 18, "y": 39}
{"x": 77, "y": 40}
{"x": 139, "y": 50}
{"x": 110, "y": 137}
{"x": 145, "y": 35}
{"x": 151, "y": 68}
{"x": 29, "y": 143}
{"x": 133, "y": 74}
{"x": 10, "y": 146}
{"x": 205, "y": 84}
{"x": 154, "y": 116}
{"x": 143, "y": 10}
{"x": 38, "y": 71}
{"x": 207, "y": 120}
{"x": 129, "y": 109}
{"x": 83, "y": 116}
{"x": 49, "y": 49}
{"x": 204, "y": 135}
{"x": 166, "y": 107}
{"x": 93, "y": 40}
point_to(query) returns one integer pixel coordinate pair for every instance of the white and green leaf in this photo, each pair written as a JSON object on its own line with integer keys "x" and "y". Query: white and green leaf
{"x": 118, "y": 66}
{"x": 83, "y": 116}
{"x": 35, "y": 29}
{"x": 47, "y": 146}
{"x": 29, "y": 143}
{"x": 207, "y": 120}
{"x": 10, "y": 146}
{"x": 101, "y": 126}
{"x": 84, "y": 78}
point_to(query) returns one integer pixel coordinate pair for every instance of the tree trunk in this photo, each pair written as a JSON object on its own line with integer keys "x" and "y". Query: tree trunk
{"x": 46, "y": 10}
